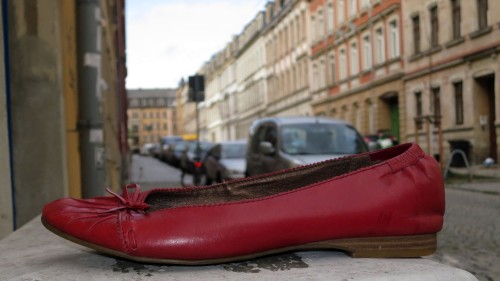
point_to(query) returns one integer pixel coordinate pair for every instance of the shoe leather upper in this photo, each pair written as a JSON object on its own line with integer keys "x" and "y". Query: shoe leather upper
{"x": 401, "y": 195}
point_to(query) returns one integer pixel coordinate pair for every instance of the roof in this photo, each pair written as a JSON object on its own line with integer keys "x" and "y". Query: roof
{"x": 151, "y": 93}
{"x": 150, "y": 98}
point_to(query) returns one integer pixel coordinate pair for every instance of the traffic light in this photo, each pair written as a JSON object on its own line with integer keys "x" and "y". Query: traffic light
{"x": 196, "y": 88}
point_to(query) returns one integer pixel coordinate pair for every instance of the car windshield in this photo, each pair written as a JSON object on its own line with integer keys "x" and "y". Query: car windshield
{"x": 234, "y": 150}
{"x": 302, "y": 139}
{"x": 204, "y": 146}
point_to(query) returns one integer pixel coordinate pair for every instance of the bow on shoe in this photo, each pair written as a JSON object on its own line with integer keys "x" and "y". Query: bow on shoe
{"x": 129, "y": 201}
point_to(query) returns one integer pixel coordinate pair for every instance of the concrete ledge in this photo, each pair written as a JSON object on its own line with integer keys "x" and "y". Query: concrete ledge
{"x": 33, "y": 253}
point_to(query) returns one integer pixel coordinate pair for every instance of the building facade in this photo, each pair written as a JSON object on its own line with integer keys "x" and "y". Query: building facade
{"x": 453, "y": 76}
{"x": 356, "y": 62}
{"x": 220, "y": 88}
{"x": 381, "y": 65}
{"x": 287, "y": 58}
{"x": 151, "y": 115}
{"x": 251, "y": 99}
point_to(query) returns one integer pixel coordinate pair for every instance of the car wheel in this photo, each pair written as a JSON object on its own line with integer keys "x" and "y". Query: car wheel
{"x": 218, "y": 178}
{"x": 208, "y": 180}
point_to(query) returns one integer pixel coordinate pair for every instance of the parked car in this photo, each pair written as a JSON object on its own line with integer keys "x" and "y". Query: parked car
{"x": 155, "y": 150}
{"x": 382, "y": 139}
{"x": 283, "y": 142}
{"x": 226, "y": 160}
{"x": 173, "y": 154}
{"x": 166, "y": 142}
{"x": 188, "y": 156}
{"x": 146, "y": 149}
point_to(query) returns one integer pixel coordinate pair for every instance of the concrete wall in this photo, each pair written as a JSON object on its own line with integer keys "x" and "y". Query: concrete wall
{"x": 37, "y": 105}
{"x": 6, "y": 215}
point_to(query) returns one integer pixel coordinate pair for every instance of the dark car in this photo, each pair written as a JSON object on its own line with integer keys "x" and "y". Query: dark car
{"x": 226, "y": 160}
{"x": 165, "y": 143}
{"x": 174, "y": 152}
{"x": 283, "y": 142}
{"x": 188, "y": 156}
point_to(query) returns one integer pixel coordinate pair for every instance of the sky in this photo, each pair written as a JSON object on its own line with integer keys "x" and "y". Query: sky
{"x": 168, "y": 40}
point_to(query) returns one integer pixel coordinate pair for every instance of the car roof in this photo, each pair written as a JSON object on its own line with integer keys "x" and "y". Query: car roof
{"x": 298, "y": 120}
{"x": 233, "y": 142}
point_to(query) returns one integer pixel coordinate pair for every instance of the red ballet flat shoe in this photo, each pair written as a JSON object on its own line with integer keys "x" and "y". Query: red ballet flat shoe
{"x": 387, "y": 203}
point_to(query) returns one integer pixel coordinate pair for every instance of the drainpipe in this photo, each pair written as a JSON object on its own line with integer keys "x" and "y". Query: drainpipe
{"x": 90, "y": 123}
{"x": 9, "y": 112}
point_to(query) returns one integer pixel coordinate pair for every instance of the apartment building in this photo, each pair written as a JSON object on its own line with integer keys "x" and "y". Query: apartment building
{"x": 151, "y": 115}
{"x": 452, "y": 81}
{"x": 220, "y": 90}
{"x": 356, "y": 63}
{"x": 251, "y": 98}
{"x": 287, "y": 58}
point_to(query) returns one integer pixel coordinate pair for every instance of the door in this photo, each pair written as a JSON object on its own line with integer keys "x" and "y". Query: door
{"x": 394, "y": 109}
{"x": 487, "y": 115}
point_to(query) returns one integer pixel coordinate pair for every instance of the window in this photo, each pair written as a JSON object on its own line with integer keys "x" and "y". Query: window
{"x": 354, "y": 59}
{"x": 394, "y": 39}
{"x": 418, "y": 109}
{"x": 297, "y": 29}
{"x": 313, "y": 29}
{"x": 352, "y": 8}
{"x": 329, "y": 17}
{"x": 380, "y": 45}
{"x": 341, "y": 11}
{"x": 434, "y": 26}
{"x": 332, "y": 68}
{"x": 416, "y": 34}
{"x": 482, "y": 13}
{"x": 367, "y": 53}
{"x": 436, "y": 101}
{"x": 459, "y": 103}
{"x": 322, "y": 71}
{"x": 315, "y": 77}
{"x": 321, "y": 25}
{"x": 343, "y": 65}
{"x": 456, "y": 18}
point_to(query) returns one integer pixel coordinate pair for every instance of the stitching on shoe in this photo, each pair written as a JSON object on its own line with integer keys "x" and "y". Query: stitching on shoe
{"x": 121, "y": 234}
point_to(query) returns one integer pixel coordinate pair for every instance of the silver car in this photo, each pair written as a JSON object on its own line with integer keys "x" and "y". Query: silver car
{"x": 284, "y": 142}
{"x": 225, "y": 160}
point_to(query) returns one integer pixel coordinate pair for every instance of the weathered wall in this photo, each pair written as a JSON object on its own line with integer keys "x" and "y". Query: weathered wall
{"x": 6, "y": 216}
{"x": 70, "y": 88}
{"x": 37, "y": 105}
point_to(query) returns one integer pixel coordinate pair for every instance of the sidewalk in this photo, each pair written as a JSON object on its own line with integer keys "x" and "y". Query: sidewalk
{"x": 479, "y": 171}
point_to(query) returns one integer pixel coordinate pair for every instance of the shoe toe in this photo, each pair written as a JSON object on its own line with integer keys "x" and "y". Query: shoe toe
{"x": 84, "y": 221}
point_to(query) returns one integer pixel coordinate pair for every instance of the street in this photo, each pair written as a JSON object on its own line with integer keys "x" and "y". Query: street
{"x": 150, "y": 173}
{"x": 470, "y": 239}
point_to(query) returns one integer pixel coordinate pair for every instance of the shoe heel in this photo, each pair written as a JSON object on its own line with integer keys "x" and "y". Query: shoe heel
{"x": 388, "y": 247}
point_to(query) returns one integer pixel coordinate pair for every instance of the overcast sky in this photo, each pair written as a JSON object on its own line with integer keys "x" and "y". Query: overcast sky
{"x": 170, "y": 39}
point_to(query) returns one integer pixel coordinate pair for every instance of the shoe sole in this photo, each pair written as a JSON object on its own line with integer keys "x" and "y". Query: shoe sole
{"x": 372, "y": 247}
